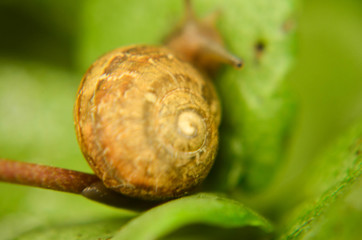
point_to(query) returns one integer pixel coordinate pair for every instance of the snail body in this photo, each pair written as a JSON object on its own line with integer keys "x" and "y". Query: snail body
{"x": 147, "y": 122}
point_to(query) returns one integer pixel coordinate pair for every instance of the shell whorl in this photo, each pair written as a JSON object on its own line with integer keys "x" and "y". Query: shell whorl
{"x": 147, "y": 122}
{"x": 180, "y": 123}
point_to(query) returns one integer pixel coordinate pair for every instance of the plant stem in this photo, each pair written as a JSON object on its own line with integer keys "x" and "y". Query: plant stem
{"x": 54, "y": 178}
{"x": 60, "y": 179}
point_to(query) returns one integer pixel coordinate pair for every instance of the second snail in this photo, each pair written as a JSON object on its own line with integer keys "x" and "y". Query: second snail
{"x": 147, "y": 117}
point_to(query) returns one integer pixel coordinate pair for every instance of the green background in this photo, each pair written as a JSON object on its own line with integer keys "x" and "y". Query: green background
{"x": 46, "y": 46}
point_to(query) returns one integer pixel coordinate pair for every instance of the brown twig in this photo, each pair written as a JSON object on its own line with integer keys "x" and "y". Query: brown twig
{"x": 60, "y": 179}
{"x": 54, "y": 178}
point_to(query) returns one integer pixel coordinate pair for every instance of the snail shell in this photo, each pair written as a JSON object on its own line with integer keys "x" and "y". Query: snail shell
{"x": 147, "y": 122}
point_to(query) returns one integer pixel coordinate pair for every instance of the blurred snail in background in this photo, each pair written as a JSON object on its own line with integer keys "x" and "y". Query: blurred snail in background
{"x": 147, "y": 117}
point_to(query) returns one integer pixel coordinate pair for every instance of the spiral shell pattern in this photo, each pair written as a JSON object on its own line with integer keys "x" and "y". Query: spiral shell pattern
{"x": 147, "y": 122}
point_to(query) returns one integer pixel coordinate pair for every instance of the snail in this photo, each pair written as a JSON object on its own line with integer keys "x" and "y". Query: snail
{"x": 147, "y": 122}
{"x": 147, "y": 117}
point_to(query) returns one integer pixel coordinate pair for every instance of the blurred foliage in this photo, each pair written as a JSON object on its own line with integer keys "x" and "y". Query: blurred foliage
{"x": 287, "y": 146}
{"x": 336, "y": 192}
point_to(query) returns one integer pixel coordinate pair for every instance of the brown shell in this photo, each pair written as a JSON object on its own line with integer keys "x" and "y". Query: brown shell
{"x": 147, "y": 122}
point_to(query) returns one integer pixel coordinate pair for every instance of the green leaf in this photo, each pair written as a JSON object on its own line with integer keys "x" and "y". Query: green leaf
{"x": 200, "y": 208}
{"x": 258, "y": 111}
{"x": 335, "y": 180}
